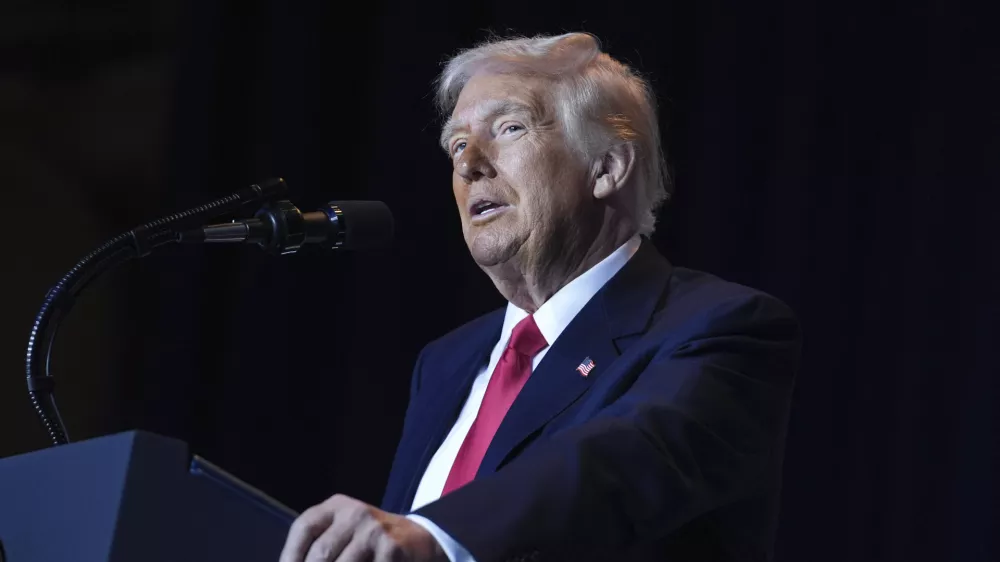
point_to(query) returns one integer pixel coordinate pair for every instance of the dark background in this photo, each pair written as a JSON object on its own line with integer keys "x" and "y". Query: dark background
{"x": 840, "y": 156}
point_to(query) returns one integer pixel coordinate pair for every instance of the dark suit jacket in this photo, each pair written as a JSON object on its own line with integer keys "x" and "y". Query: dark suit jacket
{"x": 671, "y": 448}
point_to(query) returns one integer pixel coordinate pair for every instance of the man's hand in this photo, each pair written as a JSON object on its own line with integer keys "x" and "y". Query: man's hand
{"x": 347, "y": 530}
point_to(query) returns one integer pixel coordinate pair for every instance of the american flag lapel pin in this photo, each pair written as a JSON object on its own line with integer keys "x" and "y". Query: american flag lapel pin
{"x": 586, "y": 366}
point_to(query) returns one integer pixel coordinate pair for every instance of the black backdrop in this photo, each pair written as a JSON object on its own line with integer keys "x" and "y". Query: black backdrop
{"x": 842, "y": 157}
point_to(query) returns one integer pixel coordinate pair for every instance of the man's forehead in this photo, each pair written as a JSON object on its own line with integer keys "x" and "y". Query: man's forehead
{"x": 486, "y": 91}
{"x": 485, "y": 107}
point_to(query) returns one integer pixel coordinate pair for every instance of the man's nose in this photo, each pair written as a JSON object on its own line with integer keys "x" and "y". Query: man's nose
{"x": 473, "y": 164}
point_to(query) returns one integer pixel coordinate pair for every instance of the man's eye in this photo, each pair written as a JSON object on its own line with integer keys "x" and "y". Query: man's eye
{"x": 512, "y": 128}
{"x": 459, "y": 147}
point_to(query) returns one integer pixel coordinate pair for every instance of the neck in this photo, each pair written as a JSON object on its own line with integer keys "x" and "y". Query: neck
{"x": 529, "y": 283}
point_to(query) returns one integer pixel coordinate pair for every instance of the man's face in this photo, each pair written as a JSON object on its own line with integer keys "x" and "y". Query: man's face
{"x": 518, "y": 184}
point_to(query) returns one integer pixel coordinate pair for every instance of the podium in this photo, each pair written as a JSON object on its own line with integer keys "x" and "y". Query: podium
{"x": 132, "y": 496}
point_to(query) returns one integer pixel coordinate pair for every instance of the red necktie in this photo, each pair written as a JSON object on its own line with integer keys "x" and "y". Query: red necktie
{"x": 511, "y": 372}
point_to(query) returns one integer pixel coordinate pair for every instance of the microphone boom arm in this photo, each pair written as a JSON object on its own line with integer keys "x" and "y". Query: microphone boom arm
{"x": 138, "y": 242}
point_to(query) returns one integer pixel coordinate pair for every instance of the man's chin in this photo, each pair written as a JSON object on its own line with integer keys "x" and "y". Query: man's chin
{"x": 491, "y": 249}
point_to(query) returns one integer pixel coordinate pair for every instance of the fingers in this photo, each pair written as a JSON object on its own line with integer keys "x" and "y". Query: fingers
{"x": 330, "y": 545}
{"x": 370, "y": 543}
{"x": 343, "y": 529}
{"x": 358, "y": 550}
{"x": 307, "y": 527}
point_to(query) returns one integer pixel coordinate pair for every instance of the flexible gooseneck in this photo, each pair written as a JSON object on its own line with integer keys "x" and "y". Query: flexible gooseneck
{"x": 59, "y": 300}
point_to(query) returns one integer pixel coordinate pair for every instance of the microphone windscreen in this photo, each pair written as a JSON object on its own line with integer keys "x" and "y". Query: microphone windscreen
{"x": 368, "y": 225}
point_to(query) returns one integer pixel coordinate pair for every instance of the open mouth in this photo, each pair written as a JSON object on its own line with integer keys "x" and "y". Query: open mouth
{"x": 483, "y": 208}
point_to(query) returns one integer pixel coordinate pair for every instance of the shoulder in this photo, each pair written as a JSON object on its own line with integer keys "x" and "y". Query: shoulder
{"x": 700, "y": 303}
{"x": 705, "y": 320}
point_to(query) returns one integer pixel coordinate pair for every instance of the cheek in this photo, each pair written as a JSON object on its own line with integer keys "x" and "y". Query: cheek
{"x": 459, "y": 189}
{"x": 550, "y": 179}
{"x": 527, "y": 173}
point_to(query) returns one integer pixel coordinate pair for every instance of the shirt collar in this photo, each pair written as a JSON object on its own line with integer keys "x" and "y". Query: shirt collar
{"x": 557, "y": 312}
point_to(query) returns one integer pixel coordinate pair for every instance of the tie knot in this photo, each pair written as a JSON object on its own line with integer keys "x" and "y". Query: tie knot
{"x": 526, "y": 338}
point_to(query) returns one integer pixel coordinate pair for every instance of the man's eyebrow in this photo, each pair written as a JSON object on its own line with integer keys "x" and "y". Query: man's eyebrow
{"x": 488, "y": 112}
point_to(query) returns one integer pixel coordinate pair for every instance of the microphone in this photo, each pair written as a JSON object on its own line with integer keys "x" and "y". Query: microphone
{"x": 280, "y": 227}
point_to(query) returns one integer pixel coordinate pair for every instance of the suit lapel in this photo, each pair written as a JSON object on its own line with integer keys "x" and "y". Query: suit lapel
{"x": 599, "y": 333}
{"x": 554, "y": 384}
{"x": 446, "y": 393}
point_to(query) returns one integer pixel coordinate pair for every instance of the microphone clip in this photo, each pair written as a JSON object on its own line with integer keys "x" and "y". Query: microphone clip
{"x": 281, "y": 228}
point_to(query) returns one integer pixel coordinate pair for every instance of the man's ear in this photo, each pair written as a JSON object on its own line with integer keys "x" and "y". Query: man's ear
{"x": 614, "y": 169}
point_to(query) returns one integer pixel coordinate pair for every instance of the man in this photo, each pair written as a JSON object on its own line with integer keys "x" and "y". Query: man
{"x": 618, "y": 408}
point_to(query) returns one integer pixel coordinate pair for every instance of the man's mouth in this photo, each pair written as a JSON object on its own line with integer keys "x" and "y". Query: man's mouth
{"x": 486, "y": 208}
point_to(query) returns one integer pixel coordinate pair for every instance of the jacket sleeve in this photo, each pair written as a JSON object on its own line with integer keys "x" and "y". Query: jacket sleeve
{"x": 696, "y": 430}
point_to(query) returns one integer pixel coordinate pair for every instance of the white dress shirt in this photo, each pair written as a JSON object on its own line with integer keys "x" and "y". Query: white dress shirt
{"x": 552, "y": 318}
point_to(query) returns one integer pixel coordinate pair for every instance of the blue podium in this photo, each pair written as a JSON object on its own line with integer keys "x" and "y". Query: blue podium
{"x": 132, "y": 496}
